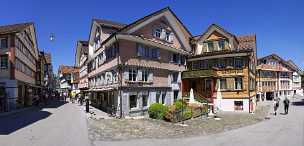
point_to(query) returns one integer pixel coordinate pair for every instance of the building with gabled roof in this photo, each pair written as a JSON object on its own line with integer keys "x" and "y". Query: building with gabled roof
{"x": 131, "y": 66}
{"x": 221, "y": 70}
{"x": 18, "y": 64}
{"x": 277, "y": 78}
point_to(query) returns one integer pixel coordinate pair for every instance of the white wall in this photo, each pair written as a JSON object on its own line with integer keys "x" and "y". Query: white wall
{"x": 228, "y": 104}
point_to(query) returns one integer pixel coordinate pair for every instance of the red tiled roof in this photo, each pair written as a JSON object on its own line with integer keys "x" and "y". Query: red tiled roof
{"x": 13, "y": 27}
{"x": 109, "y": 23}
{"x": 153, "y": 64}
{"x": 67, "y": 69}
{"x": 247, "y": 42}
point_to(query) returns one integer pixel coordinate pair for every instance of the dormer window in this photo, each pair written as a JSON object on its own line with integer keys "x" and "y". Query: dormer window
{"x": 97, "y": 38}
{"x": 168, "y": 36}
{"x": 210, "y": 46}
{"x": 221, "y": 44}
{"x": 157, "y": 32}
{"x": 163, "y": 34}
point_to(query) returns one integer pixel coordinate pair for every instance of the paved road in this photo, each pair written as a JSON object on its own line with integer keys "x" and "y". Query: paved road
{"x": 282, "y": 130}
{"x": 56, "y": 125}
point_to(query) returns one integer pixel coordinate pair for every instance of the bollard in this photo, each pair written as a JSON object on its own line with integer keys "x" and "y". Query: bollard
{"x": 87, "y": 105}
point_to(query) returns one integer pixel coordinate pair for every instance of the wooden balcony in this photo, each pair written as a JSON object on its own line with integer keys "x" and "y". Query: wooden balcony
{"x": 198, "y": 73}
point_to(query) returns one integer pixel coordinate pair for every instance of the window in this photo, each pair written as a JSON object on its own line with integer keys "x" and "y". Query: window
{"x": 145, "y": 75}
{"x": 238, "y": 62}
{"x": 238, "y": 105}
{"x": 221, "y": 44}
{"x": 97, "y": 39}
{"x": 157, "y": 32}
{"x": 174, "y": 77}
{"x": 167, "y": 36}
{"x": 207, "y": 85}
{"x": 4, "y": 61}
{"x": 175, "y": 58}
{"x": 238, "y": 83}
{"x": 163, "y": 97}
{"x": 145, "y": 100}
{"x": 183, "y": 60}
{"x": 175, "y": 95}
{"x": 132, "y": 74}
{"x": 221, "y": 63}
{"x": 133, "y": 101}
{"x": 223, "y": 84}
{"x": 210, "y": 46}
{"x": 145, "y": 51}
{"x": 3, "y": 43}
{"x": 158, "y": 93}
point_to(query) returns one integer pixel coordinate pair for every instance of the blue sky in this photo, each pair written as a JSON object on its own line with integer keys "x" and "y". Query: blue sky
{"x": 277, "y": 24}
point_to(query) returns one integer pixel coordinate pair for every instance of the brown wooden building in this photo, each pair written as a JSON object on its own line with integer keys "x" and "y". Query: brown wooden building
{"x": 222, "y": 70}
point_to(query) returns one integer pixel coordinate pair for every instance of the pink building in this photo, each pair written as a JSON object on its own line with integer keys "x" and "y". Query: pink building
{"x": 131, "y": 66}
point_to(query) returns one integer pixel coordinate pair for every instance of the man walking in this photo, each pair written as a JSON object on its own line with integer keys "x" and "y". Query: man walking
{"x": 286, "y": 105}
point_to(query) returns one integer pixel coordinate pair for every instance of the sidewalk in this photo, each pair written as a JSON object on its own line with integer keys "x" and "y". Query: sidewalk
{"x": 95, "y": 113}
{"x": 15, "y": 111}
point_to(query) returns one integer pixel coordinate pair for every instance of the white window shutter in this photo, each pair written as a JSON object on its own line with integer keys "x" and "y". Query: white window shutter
{"x": 169, "y": 78}
{"x": 139, "y": 75}
{"x": 126, "y": 75}
{"x": 163, "y": 34}
{"x": 179, "y": 77}
{"x": 150, "y": 77}
{"x": 158, "y": 53}
{"x": 171, "y": 37}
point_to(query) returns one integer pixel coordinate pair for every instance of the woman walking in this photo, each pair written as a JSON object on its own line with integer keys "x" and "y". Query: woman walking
{"x": 276, "y": 105}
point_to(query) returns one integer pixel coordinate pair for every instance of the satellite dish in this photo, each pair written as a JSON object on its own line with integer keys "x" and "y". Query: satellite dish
{"x": 52, "y": 37}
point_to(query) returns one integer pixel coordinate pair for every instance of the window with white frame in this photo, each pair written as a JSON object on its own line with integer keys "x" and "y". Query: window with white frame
{"x": 157, "y": 32}
{"x": 132, "y": 74}
{"x": 223, "y": 84}
{"x": 238, "y": 83}
{"x": 210, "y": 46}
{"x": 168, "y": 36}
{"x": 145, "y": 75}
{"x": 221, "y": 44}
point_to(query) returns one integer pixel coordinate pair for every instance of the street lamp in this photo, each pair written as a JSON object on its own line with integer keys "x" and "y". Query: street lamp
{"x": 52, "y": 37}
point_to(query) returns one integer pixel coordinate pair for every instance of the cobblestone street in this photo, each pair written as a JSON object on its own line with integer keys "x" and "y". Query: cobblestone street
{"x": 280, "y": 130}
{"x": 117, "y": 130}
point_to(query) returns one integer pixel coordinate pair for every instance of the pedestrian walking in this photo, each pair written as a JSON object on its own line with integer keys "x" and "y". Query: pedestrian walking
{"x": 276, "y": 105}
{"x": 286, "y": 105}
